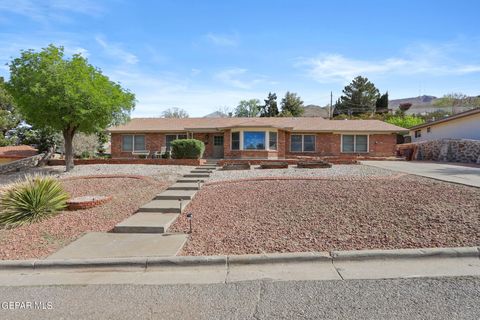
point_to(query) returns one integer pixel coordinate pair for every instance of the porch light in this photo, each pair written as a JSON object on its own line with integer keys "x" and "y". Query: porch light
{"x": 189, "y": 217}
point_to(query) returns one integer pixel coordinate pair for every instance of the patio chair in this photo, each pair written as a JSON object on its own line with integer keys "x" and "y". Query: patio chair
{"x": 159, "y": 154}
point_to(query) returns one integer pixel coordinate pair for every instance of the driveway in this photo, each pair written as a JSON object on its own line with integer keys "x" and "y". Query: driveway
{"x": 450, "y": 172}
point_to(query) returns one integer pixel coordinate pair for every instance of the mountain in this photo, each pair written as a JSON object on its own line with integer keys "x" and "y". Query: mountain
{"x": 312, "y": 110}
{"x": 424, "y": 104}
{"x": 416, "y": 101}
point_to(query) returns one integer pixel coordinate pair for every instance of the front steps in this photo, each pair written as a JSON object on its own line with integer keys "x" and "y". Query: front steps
{"x": 144, "y": 233}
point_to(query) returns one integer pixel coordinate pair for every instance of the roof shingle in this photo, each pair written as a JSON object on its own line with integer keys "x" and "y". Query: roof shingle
{"x": 291, "y": 124}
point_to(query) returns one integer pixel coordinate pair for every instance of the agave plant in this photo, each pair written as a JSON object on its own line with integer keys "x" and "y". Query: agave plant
{"x": 31, "y": 200}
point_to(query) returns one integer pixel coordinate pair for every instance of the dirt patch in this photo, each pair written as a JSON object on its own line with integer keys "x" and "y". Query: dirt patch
{"x": 41, "y": 239}
{"x": 322, "y": 215}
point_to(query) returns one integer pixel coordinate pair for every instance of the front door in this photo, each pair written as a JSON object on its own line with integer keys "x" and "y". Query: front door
{"x": 218, "y": 147}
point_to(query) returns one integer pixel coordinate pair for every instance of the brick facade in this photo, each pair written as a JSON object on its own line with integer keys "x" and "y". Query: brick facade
{"x": 327, "y": 144}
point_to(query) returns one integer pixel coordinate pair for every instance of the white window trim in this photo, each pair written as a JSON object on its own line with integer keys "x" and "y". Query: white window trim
{"x": 266, "y": 142}
{"x": 354, "y": 143}
{"x": 133, "y": 142}
{"x": 303, "y": 142}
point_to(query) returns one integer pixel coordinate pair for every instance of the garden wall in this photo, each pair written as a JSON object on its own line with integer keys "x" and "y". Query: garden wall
{"x": 24, "y": 163}
{"x": 449, "y": 150}
{"x": 180, "y": 162}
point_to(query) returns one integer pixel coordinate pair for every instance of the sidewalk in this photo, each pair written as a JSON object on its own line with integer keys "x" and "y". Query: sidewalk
{"x": 449, "y": 172}
{"x": 343, "y": 265}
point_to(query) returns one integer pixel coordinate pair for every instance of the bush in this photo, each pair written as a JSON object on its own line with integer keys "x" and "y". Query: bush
{"x": 31, "y": 201}
{"x": 85, "y": 155}
{"x": 166, "y": 155}
{"x": 406, "y": 121}
{"x": 187, "y": 149}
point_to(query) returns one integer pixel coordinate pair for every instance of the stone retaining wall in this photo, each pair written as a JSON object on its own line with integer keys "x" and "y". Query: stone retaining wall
{"x": 449, "y": 150}
{"x": 22, "y": 163}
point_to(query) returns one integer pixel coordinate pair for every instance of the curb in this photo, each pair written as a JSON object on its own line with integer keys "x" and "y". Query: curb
{"x": 460, "y": 252}
{"x": 144, "y": 263}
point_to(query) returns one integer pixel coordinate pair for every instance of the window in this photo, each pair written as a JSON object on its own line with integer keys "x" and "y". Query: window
{"x": 218, "y": 140}
{"x": 133, "y": 143}
{"x": 127, "y": 143}
{"x": 418, "y": 133}
{"x": 354, "y": 143}
{"x": 254, "y": 140}
{"x": 429, "y": 130}
{"x": 170, "y": 137}
{"x": 139, "y": 143}
{"x": 235, "y": 140}
{"x": 302, "y": 143}
{"x": 308, "y": 143}
{"x": 272, "y": 140}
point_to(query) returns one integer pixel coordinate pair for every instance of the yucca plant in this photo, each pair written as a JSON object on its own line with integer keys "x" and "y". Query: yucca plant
{"x": 31, "y": 200}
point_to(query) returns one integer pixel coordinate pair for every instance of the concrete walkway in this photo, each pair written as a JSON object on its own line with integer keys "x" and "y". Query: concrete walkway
{"x": 143, "y": 234}
{"x": 449, "y": 172}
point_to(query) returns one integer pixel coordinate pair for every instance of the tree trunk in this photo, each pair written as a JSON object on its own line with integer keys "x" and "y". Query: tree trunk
{"x": 68, "y": 137}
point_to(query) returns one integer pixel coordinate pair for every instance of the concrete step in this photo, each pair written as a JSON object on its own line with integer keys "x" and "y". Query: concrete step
{"x": 184, "y": 186}
{"x": 201, "y": 171}
{"x": 146, "y": 222}
{"x": 190, "y": 180}
{"x": 176, "y": 194}
{"x": 196, "y": 175}
{"x": 121, "y": 245}
{"x": 164, "y": 206}
{"x": 206, "y": 168}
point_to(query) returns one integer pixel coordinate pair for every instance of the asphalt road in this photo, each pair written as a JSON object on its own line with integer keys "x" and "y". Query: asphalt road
{"x": 421, "y": 298}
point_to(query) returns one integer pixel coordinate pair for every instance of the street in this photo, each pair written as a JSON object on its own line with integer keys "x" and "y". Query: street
{"x": 414, "y": 298}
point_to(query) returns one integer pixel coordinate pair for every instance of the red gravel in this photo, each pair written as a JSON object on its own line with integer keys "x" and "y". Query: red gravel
{"x": 324, "y": 215}
{"x": 41, "y": 239}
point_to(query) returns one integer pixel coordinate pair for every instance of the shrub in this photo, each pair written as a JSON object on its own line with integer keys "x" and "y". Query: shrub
{"x": 187, "y": 149}
{"x": 407, "y": 121}
{"x": 166, "y": 155}
{"x": 31, "y": 201}
{"x": 85, "y": 155}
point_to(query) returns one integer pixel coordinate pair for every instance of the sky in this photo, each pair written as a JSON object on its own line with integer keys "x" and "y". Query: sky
{"x": 204, "y": 56}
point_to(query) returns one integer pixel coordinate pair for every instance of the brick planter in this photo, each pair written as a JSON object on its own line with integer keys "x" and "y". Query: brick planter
{"x": 274, "y": 165}
{"x": 236, "y": 166}
{"x": 313, "y": 164}
{"x": 178, "y": 162}
{"x": 87, "y": 202}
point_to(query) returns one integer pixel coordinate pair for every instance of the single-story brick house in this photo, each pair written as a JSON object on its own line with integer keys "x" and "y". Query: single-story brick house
{"x": 261, "y": 138}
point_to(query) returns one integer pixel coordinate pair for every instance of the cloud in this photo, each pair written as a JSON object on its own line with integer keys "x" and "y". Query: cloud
{"x": 422, "y": 59}
{"x": 222, "y": 40}
{"x": 238, "y": 78}
{"x": 115, "y": 50}
{"x": 47, "y": 10}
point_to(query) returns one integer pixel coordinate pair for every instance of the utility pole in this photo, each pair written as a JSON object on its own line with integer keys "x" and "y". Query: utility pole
{"x": 330, "y": 111}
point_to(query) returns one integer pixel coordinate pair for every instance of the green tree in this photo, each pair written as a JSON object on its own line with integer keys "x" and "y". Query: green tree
{"x": 175, "y": 113}
{"x": 292, "y": 105}
{"x": 9, "y": 117}
{"x": 270, "y": 108}
{"x": 43, "y": 139}
{"x": 66, "y": 95}
{"x": 248, "y": 108}
{"x": 456, "y": 101}
{"x": 406, "y": 121}
{"x": 360, "y": 96}
{"x": 381, "y": 105}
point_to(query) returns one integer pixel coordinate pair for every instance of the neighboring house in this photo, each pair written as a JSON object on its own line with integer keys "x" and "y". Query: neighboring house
{"x": 265, "y": 138}
{"x": 464, "y": 125}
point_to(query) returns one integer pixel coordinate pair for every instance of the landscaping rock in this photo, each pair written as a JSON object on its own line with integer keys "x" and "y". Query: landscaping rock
{"x": 274, "y": 165}
{"x": 314, "y": 164}
{"x": 236, "y": 166}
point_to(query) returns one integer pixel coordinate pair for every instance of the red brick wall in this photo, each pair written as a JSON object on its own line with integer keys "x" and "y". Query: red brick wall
{"x": 153, "y": 142}
{"x": 327, "y": 144}
{"x": 180, "y": 162}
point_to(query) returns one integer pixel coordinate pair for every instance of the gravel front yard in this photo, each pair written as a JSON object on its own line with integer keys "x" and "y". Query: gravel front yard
{"x": 336, "y": 171}
{"x": 318, "y": 215}
{"x": 41, "y": 239}
{"x": 157, "y": 172}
